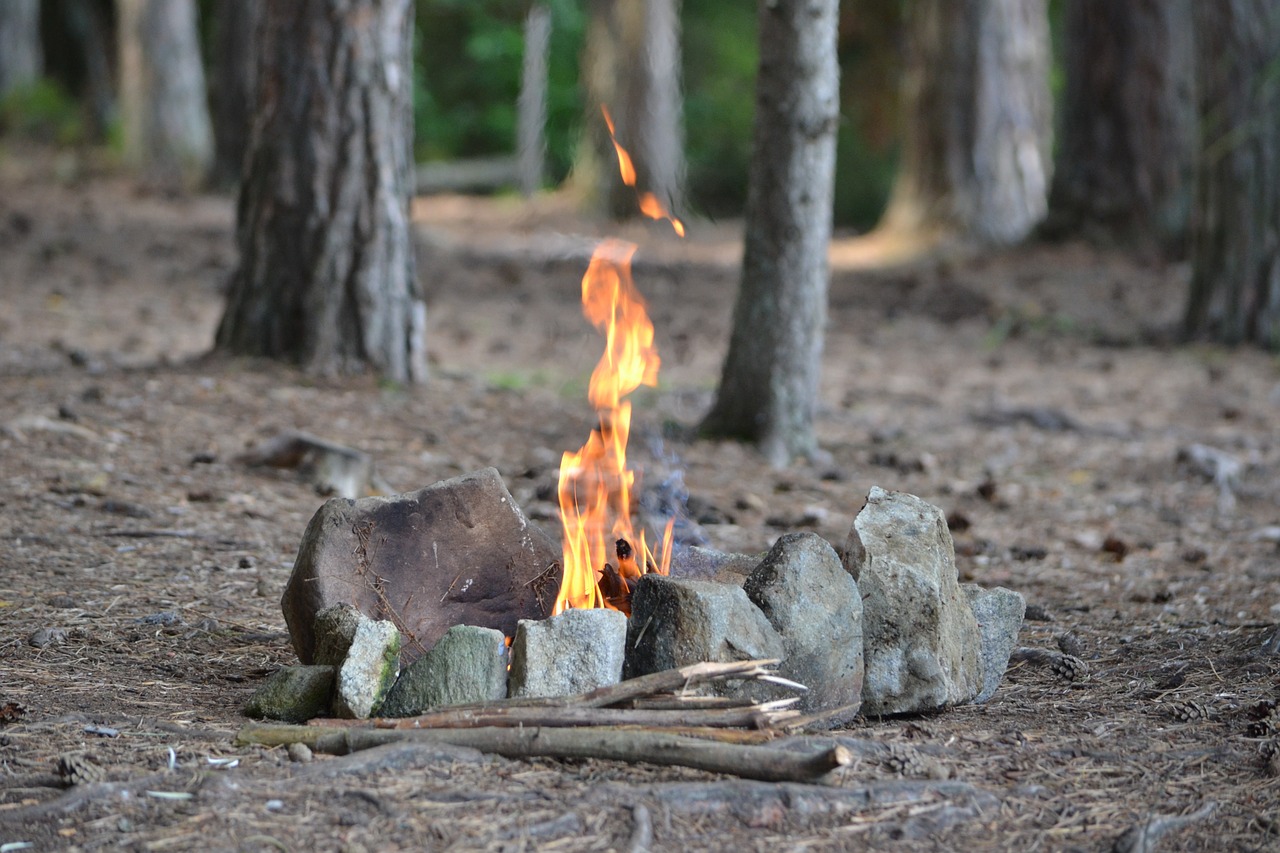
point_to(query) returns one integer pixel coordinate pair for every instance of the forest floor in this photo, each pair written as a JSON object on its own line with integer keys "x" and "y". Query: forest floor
{"x": 1032, "y": 394}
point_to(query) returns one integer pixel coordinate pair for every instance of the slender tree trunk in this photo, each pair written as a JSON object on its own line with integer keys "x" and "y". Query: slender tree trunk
{"x": 769, "y": 387}
{"x": 975, "y": 159}
{"x": 167, "y": 133}
{"x": 531, "y": 124}
{"x": 21, "y": 60}
{"x": 631, "y": 64}
{"x": 89, "y": 24}
{"x": 1127, "y": 140}
{"x": 233, "y": 90}
{"x": 1235, "y": 280}
{"x": 326, "y": 274}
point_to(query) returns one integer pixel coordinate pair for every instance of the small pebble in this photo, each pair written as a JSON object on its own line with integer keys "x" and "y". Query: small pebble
{"x": 300, "y": 753}
{"x": 62, "y": 602}
{"x": 274, "y": 805}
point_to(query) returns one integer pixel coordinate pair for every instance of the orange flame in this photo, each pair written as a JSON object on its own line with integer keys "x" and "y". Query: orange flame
{"x": 601, "y": 546}
{"x": 649, "y": 204}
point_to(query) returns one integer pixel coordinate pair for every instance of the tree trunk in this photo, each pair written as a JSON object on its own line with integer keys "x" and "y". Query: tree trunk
{"x": 21, "y": 60}
{"x": 326, "y": 275}
{"x": 769, "y": 387}
{"x": 631, "y": 64}
{"x": 1235, "y": 279}
{"x": 531, "y": 123}
{"x": 164, "y": 116}
{"x": 233, "y": 90}
{"x": 975, "y": 158}
{"x": 1127, "y": 139}
{"x": 89, "y": 24}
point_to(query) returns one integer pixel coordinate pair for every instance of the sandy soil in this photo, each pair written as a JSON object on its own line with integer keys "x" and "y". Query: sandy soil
{"x": 1033, "y": 395}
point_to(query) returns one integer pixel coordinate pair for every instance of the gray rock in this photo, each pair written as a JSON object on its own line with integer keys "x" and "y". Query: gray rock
{"x": 676, "y": 622}
{"x": 694, "y": 563}
{"x": 814, "y": 604}
{"x": 920, "y": 638}
{"x": 469, "y": 664}
{"x": 999, "y": 613}
{"x": 369, "y": 669}
{"x": 335, "y": 628}
{"x": 459, "y": 552}
{"x": 293, "y": 694}
{"x": 577, "y": 651}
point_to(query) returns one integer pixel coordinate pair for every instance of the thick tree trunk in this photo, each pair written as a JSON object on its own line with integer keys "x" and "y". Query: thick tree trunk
{"x": 768, "y": 390}
{"x": 233, "y": 89}
{"x": 1235, "y": 282}
{"x": 326, "y": 275}
{"x": 167, "y": 133}
{"x": 975, "y": 158}
{"x": 631, "y": 64}
{"x": 21, "y": 60}
{"x": 1127, "y": 140}
{"x": 531, "y": 123}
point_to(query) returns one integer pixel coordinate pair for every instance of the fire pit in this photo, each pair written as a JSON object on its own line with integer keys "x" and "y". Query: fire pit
{"x": 884, "y": 627}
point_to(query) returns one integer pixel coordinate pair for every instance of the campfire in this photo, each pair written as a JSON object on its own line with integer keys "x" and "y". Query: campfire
{"x": 604, "y": 555}
{"x": 446, "y": 609}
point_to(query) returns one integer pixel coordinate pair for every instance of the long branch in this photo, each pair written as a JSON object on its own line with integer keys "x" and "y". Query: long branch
{"x": 749, "y": 762}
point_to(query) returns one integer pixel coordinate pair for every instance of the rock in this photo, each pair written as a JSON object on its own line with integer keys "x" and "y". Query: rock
{"x": 456, "y": 553}
{"x": 293, "y": 694}
{"x": 999, "y": 614}
{"x": 335, "y": 628}
{"x": 675, "y": 622}
{"x": 333, "y": 469}
{"x": 920, "y": 638}
{"x": 469, "y": 664}
{"x": 369, "y": 669}
{"x": 577, "y": 651}
{"x": 814, "y": 604}
{"x": 44, "y": 637}
{"x": 696, "y": 563}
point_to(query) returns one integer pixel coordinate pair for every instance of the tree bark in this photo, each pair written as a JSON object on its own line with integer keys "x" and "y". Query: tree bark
{"x": 233, "y": 90}
{"x": 631, "y": 64}
{"x": 975, "y": 158}
{"x": 21, "y": 59}
{"x": 167, "y": 133}
{"x": 326, "y": 277}
{"x": 1235, "y": 280}
{"x": 1127, "y": 141}
{"x": 769, "y": 386}
{"x": 531, "y": 122}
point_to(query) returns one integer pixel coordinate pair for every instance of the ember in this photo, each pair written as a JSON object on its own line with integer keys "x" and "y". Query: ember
{"x": 595, "y": 483}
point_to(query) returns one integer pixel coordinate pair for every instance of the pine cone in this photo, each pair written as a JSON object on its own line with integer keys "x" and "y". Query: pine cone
{"x": 1267, "y": 726}
{"x": 1070, "y": 668}
{"x": 1070, "y": 644}
{"x": 79, "y": 770}
{"x": 1189, "y": 711}
{"x": 906, "y": 761}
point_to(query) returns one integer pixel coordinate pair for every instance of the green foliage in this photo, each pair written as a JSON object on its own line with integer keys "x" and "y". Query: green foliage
{"x": 468, "y": 56}
{"x": 42, "y": 111}
{"x": 720, "y": 55}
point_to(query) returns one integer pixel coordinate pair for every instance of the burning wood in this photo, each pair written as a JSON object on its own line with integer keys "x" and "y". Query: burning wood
{"x": 595, "y": 482}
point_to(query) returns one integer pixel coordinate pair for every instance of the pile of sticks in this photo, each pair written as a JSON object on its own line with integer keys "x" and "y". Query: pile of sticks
{"x": 654, "y": 719}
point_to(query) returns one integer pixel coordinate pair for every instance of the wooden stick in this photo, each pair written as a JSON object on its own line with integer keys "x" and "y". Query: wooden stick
{"x": 647, "y": 746}
{"x": 763, "y": 715}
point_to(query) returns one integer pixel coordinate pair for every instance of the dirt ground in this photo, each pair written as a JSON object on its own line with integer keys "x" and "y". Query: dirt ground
{"x": 1033, "y": 395}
